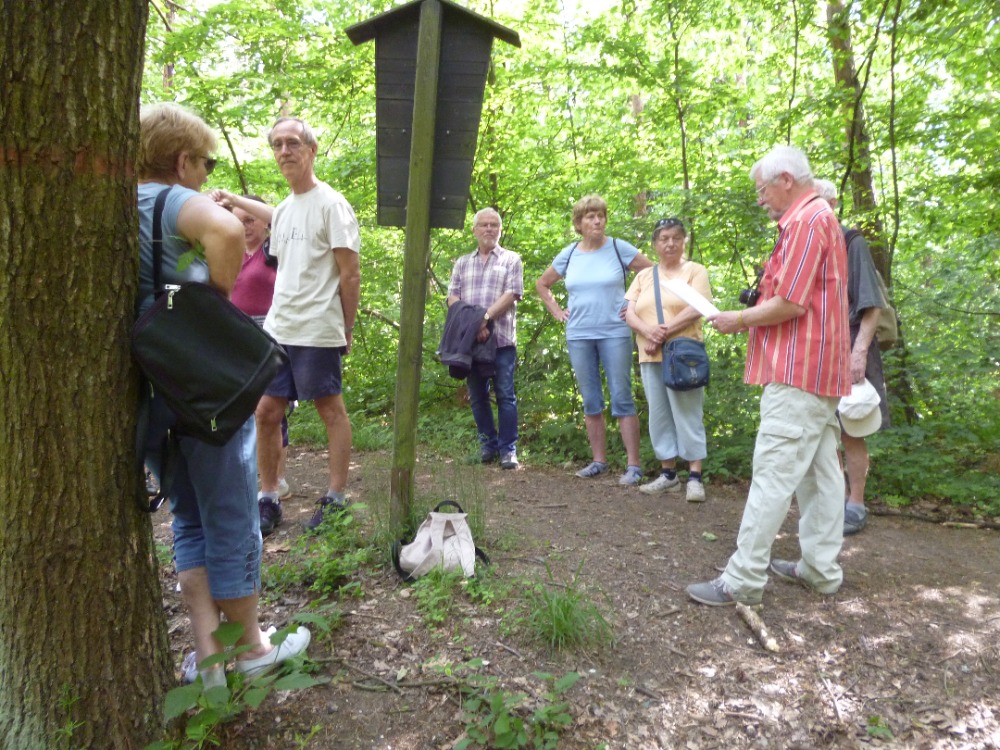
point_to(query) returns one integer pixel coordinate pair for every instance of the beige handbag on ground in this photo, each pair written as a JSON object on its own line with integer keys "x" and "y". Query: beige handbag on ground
{"x": 444, "y": 540}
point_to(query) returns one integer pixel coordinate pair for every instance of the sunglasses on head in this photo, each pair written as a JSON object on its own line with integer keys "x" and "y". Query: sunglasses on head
{"x": 668, "y": 223}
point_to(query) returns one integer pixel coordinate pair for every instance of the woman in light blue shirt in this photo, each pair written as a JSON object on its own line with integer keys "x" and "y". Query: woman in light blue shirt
{"x": 595, "y": 271}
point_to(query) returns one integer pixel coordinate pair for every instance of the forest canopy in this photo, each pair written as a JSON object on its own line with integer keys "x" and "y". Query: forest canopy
{"x": 661, "y": 106}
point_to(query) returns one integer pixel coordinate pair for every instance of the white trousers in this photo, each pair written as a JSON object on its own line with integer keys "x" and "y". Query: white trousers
{"x": 795, "y": 453}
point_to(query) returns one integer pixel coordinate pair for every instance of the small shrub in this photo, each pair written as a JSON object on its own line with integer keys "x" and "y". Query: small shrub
{"x": 566, "y": 618}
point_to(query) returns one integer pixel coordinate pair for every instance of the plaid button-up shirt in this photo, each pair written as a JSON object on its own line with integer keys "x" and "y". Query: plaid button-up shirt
{"x": 481, "y": 282}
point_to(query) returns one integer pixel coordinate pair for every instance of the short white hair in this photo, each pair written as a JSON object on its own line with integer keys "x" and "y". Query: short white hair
{"x": 483, "y": 212}
{"x": 782, "y": 160}
{"x": 825, "y": 190}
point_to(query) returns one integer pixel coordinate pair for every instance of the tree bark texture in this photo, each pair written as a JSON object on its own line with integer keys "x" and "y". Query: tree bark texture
{"x": 857, "y": 138}
{"x": 83, "y": 643}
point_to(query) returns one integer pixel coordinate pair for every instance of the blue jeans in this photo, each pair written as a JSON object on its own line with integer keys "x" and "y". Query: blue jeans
{"x": 482, "y": 410}
{"x": 213, "y": 499}
{"x": 615, "y": 355}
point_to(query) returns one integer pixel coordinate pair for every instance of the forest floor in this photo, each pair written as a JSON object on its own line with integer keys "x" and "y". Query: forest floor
{"x": 906, "y": 655}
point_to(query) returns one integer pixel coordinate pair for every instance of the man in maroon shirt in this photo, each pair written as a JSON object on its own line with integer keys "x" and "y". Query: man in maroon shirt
{"x": 798, "y": 349}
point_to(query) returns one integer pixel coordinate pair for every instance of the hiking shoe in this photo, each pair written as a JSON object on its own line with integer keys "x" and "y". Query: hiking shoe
{"x": 661, "y": 484}
{"x": 270, "y": 514}
{"x": 717, "y": 594}
{"x": 283, "y": 489}
{"x": 488, "y": 457}
{"x": 326, "y": 507}
{"x": 631, "y": 477}
{"x": 509, "y": 460}
{"x": 787, "y": 570}
{"x": 295, "y": 644}
{"x": 593, "y": 469}
{"x": 855, "y": 518}
{"x": 695, "y": 491}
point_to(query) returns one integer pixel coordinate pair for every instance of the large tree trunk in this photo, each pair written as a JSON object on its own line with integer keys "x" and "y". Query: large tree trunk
{"x": 857, "y": 138}
{"x": 82, "y": 635}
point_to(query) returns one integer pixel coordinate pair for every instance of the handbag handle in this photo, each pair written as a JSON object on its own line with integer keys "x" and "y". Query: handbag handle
{"x": 448, "y": 504}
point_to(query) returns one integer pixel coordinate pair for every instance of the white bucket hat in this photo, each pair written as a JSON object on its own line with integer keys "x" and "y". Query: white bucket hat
{"x": 860, "y": 415}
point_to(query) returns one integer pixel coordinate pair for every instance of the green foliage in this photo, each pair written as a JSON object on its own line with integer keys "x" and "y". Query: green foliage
{"x": 204, "y": 711}
{"x": 878, "y": 728}
{"x": 437, "y": 595}
{"x": 662, "y": 108}
{"x": 563, "y": 615}
{"x": 322, "y": 561}
{"x": 495, "y": 718}
{"x": 64, "y": 734}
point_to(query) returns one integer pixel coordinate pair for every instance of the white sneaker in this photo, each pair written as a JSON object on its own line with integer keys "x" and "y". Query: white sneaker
{"x": 695, "y": 491}
{"x": 661, "y": 484}
{"x": 283, "y": 489}
{"x": 295, "y": 644}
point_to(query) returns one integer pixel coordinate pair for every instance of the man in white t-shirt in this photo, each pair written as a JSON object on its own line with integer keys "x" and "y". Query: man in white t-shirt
{"x": 314, "y": 236}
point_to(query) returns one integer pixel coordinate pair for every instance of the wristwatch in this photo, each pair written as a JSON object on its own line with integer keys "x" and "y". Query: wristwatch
{"x": 486, "y": 317}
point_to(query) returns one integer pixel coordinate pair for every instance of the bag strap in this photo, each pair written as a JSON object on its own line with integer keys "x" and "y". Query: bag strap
{"x": 169, "y": 448}
{"x": 614, "y": 243}
{"x": 161, "y": 199}
{"x": 656, "y": 293}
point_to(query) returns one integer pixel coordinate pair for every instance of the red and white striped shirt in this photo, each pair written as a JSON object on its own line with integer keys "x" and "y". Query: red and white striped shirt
{"x": 808, "y": 267}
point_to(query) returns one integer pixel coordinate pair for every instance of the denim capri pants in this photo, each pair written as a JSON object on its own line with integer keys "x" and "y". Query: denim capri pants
{"x": 588, "y": 356}
{"x": 213, "y": 499}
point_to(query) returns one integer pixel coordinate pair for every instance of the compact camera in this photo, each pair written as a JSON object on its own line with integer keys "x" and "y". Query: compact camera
{"x": 749, "y": 297}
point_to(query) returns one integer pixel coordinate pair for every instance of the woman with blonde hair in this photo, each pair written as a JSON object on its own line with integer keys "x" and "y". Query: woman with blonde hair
{"x": 213, "y": 498}
{"x": 595, "y": 270}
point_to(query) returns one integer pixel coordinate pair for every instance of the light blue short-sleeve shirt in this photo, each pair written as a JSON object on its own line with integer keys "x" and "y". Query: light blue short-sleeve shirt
{"x": 595, "y": 282}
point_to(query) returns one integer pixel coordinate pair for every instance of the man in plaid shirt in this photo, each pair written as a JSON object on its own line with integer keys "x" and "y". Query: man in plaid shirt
{"x": 493, "y": 278}
{"x": 799, "y": 350}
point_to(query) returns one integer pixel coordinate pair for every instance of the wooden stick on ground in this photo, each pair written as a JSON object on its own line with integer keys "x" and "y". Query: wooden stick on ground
{"x": 757, "y": 626}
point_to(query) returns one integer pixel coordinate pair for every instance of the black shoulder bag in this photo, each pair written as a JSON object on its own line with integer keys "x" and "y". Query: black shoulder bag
{"x": 202, "y": 355}
{"x": 685, "y": 361}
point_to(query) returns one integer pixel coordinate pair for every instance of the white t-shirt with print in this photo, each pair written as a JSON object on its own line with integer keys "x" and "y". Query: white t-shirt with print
{"x": 306, "y": 309}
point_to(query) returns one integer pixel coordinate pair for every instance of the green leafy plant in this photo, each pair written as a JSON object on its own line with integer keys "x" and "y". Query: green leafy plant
{"x": 208, "y": 709}
{"x": 498, "y": 719}
{"x": 879, "y": 728}
{"x": 325, "y": 560}
{"x": 436, "y": 594}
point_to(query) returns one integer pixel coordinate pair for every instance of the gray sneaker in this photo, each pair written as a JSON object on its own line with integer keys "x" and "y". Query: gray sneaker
{"x": 717, "y": 594}
{"x": 855, "y": 518}
{"x": 631, "y": 477}
{"x": 787, "y": 570}
{"x": 509, "y": 460}
{"x": 593, "y": 469}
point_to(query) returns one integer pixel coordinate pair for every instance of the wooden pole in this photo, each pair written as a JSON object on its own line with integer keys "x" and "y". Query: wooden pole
{"x": 417, "y": 253}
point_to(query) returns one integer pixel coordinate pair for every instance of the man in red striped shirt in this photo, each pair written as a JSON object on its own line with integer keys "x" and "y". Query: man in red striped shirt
{"x": 799, "y": 350}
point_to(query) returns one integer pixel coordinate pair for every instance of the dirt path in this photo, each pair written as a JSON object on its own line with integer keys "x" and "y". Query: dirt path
{"x": 909, "y": 650}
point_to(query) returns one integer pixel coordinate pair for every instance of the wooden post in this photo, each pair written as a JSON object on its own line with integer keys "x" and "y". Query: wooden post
{"x": 417, "y": 254}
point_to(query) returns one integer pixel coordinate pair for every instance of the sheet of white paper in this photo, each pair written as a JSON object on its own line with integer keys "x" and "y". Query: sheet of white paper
{"x": 693, "y": 297}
